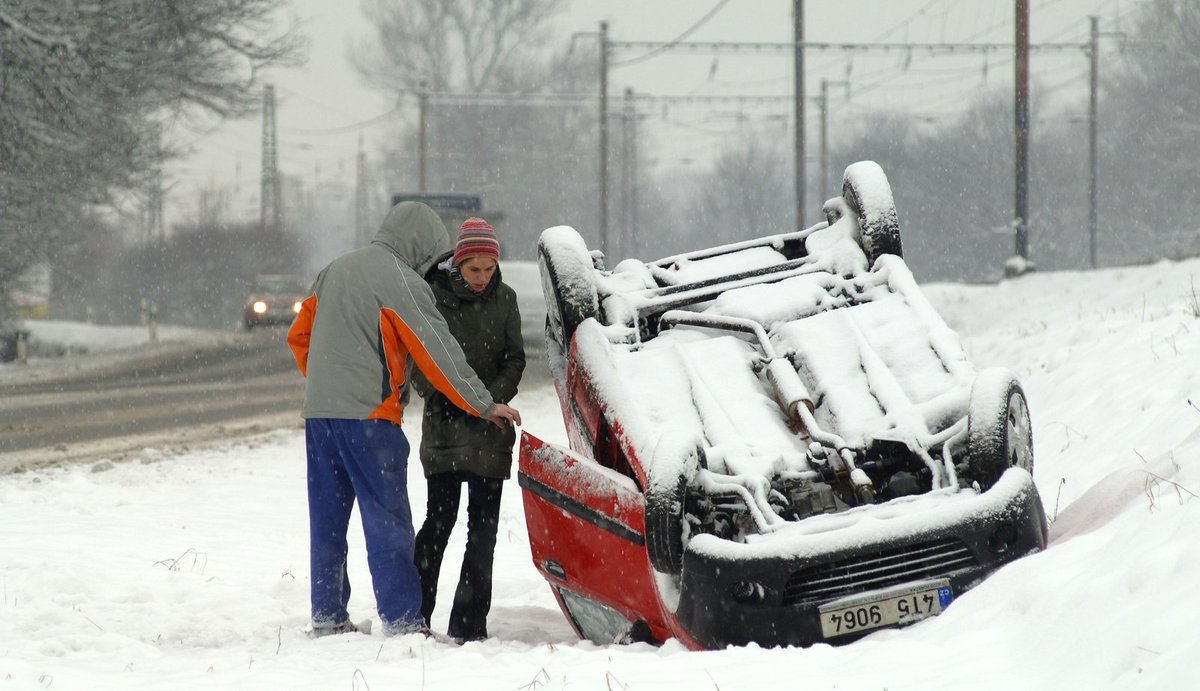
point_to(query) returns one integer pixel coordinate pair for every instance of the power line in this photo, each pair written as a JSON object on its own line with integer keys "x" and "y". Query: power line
{"x": 789, "y": 47}
{"x": 580, "y": 100}
{"x": 988, "y": 29}
{"x": 690, "y": 30}
{"x": 909, "y": 20}
{"x": 344, "y": 129}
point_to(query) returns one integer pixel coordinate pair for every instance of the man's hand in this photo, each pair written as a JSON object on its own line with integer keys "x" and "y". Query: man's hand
{"x": 503, "y": 416}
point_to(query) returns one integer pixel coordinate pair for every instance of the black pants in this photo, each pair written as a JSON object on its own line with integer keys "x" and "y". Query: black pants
{"x": 473, "y": 598}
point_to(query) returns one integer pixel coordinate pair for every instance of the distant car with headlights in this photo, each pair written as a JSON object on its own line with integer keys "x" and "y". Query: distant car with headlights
{"x": 777, "y": 441}
{"x": 275, "y": 300}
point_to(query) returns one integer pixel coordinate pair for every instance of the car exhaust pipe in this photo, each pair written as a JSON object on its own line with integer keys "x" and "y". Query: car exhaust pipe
{"x": 789, "y": 390}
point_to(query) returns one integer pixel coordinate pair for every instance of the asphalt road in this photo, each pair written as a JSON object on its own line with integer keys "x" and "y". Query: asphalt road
{"x": 168, "y": 397}
{"x": 165, "y": 395}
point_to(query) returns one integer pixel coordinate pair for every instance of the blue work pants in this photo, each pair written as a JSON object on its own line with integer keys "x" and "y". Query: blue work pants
{"x": 365, "y": 460}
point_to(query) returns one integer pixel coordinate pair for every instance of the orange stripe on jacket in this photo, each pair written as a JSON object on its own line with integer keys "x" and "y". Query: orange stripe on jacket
{"x": 300, "y": 334}
{"x": 399, "y": 341}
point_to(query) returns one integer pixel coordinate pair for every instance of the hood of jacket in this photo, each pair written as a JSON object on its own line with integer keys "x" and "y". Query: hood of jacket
{"x": 415, "y": 234}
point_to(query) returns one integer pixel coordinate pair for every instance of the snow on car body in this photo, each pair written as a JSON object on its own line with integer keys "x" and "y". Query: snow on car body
{"x": 777, "y": 441}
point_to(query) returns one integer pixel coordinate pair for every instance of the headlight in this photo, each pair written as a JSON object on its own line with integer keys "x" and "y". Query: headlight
{"x": 296, "y": 307}
{"x": 259, "y": 307}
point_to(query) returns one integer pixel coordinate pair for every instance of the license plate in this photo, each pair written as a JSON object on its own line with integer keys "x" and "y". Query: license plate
{"x": 880, "y": 608}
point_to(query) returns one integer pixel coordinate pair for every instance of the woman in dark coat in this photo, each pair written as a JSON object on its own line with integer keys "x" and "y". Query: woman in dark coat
{"x": 458, "y": 449}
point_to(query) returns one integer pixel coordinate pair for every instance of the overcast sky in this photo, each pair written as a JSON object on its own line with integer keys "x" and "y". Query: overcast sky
{"x": 321, "y": 108}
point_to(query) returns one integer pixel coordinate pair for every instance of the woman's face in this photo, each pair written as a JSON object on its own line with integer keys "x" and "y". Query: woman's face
{"x": 478, "y": 272}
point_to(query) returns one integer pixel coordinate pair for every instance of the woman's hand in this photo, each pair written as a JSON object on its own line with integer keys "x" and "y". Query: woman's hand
{"x": 504, "y": 415}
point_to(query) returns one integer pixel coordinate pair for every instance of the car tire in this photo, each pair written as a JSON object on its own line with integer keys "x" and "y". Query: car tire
{"x": 566, "y": 269}
{"x": 999, "y": 433}
{"x": 666, "y": 508}
{"x": 665, "y": 525}
{"x": 867, "y": 192}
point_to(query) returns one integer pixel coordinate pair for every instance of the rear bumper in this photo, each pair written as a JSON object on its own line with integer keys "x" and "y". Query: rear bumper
{"x": 769, "y": 592}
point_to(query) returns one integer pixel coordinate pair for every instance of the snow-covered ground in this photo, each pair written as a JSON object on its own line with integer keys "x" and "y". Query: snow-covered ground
{"x": 188, "y": 569}
{"x": 56, "y": 347}
{"x": 49, "y": 337}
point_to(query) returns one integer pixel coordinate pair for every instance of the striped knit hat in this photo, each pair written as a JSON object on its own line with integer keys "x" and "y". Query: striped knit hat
{"x": 476, "y": 238}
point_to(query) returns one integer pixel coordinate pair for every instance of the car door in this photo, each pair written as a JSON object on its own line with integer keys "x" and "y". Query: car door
{"x": 587, "y": 535}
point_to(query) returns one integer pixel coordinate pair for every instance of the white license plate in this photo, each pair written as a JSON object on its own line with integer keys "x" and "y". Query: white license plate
{"x": 880, "y": 608}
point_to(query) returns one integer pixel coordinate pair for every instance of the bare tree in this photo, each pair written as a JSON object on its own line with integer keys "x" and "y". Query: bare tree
{"x": 952, "y": 185}
{"x": 84, "y": 88}
{"x": 953, "y": 182}
{"x": 449, "y": 44}
{"x": 744, "y": 195}
{"x": 1149, "y": 156}
{"x": 530, "y": 158}
{"x": 1166, "y": 53}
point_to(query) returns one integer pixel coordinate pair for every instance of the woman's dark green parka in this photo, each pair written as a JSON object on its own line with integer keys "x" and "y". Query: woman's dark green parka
{"x": 488, "y": 326}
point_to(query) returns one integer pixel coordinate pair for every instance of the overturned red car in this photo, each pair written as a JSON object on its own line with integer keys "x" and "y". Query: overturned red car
{"x": 777, "y": 441}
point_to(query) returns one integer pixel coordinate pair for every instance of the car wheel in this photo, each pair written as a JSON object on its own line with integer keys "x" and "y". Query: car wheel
{"x": 999, "y": 433}
{"x": 666, "y": 508}
{"x": 664, "y": 526}
{"x": 866, "y": 190}
{"x": 566, "y": 270}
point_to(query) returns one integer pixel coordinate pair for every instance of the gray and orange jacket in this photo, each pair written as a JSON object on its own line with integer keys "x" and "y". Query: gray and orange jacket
{"x": 371, "y": 317}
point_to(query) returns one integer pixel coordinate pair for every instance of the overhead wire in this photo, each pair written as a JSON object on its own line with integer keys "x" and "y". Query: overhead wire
{"x": 1076, "y": 31}
{"x": 670, "y": 44}
{"x": 344, "y": 129}
{"x": 949, "y": 103}
{"x": 881, "y": 78}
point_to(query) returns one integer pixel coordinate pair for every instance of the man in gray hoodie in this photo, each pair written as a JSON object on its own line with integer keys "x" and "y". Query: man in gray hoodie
{"x": 369, "y": 320}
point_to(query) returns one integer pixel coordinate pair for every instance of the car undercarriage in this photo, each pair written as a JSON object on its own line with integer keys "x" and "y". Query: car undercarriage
{"x": 794, "y": 443}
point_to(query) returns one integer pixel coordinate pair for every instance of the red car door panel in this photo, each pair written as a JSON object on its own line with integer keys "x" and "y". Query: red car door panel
{"x": 587, "y": 530}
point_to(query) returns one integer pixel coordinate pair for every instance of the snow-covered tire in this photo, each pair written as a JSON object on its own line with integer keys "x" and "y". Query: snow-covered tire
{"x": 867, "y": 192}
{"x": 667, "y": 488}
{"x": 570, "y": 291}
{"x": 999, "y": 433}
{"x": 665, "y": 525}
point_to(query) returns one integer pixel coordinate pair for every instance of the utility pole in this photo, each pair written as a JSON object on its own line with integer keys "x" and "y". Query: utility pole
{"x": 825, "y": 84}
{"x": 633, "y": 176}
{"x": 155, "y": 230}
{"x": 629, "y": 167}
{"x": 360, "y": 195}
{"x": 1021, "y": 206}
{"x": 797, "y": 48}
{"x": 1093, "y": 84}
{"x": 604, "y": 245}
{"x": 422, "y": 144}
{"x": 269, "y": 208}
{"x": 798, "y": 30}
